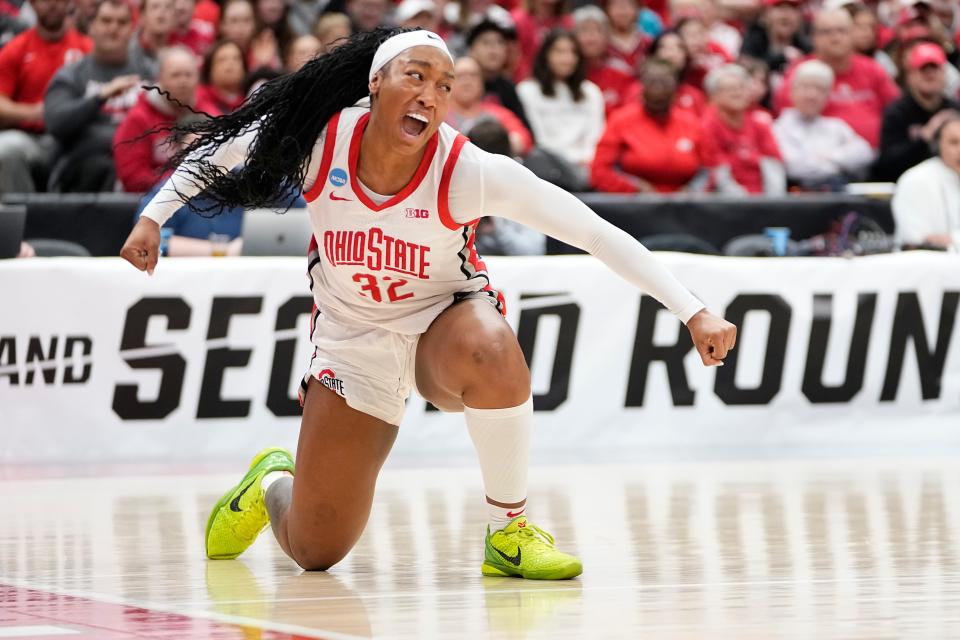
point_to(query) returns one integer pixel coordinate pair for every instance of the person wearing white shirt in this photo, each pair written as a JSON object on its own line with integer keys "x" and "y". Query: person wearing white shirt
{"x": 926, "y": 204}
{"x": 566, "y": 111}
{"x": 819, "y": 152}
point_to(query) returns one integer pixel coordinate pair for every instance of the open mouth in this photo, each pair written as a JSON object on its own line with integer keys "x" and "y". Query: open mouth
{"x": 414, "y": 124}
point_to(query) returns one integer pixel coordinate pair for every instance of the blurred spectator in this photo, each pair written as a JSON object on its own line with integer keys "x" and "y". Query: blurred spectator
{"x": 565, "y": 110}
{"x": 488, "y": 46}
{"x": 703, "y": 55}
{"x": 760, "y": 79}
{"x": 156, "y": 27}
{"x": 533, "y": 22}
{"x": 207, "y": 11}
{"x": 499, "y": 236}
{"x": 609, "y": 73}
{"x": 819, "y": 153}
{"x": 366, "y": 15}
{"x": 861, "y": 87}
{"x": 82, "y": 15}
{"x": 86, "y": 100}
{"x": 464, "y": 15}
{"x": 304, "y": 14}
{"x": 196, "y": 35}
{"x": 719, "y": 32}
{"x": 301, "y": 50}
{"x": 777, "y": 38}
{"x": 650, "y": 146}
{"x": 739, "y": 147}
{"x": 141, "y": 145}
{"x": 866, "y": 37}
{"x": 332, "y": 28}
{"x": 27, "y": 63}
{"x": 467, "y": 108}
{"x": 627, "y": 42}
{"x": 221, "y": 79}
{"x": 271, "y": 16}
{"x": 926, "y": 205}
{"x": 238, "y": 25}
{"x": 669, "y": 47}
{"x": 910, "y": 122}
{"x": 418, "y": 13}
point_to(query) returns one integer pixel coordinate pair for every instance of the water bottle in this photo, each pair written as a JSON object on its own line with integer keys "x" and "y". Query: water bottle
{"x": 165, "y": 235}
{"x": 779, "y": 239}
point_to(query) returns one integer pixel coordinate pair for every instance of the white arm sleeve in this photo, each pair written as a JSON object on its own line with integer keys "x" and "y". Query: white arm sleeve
{"x": 229, "y": 155}
{"x": 508, "y": 190}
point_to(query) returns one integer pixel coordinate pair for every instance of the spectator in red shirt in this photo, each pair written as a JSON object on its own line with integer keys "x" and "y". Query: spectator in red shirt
{"x": 196, "y": 35}
{"x": 467, "y": 107}
{"x": 27, "y": 63}
{"x": 141, "y": 145}
{"x": 650, "y": 146}
{"x": 627, "y": 42}
{"x": 533, "y": 22}
{"x": 221, "y": 79}
{"x": 861, "y": 87}
{"x": 704, "y": 54}
{"x": 611, "y": 74}
{"x": 740, "y": 149}
{"x": 156, "y": 26}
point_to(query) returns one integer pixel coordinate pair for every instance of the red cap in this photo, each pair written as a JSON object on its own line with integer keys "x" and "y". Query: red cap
{"x": 773, "y": 3}
{"x": 926, "y": 53}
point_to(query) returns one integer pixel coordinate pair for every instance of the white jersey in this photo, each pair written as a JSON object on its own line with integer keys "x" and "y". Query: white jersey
{"x": 398, "y": 264}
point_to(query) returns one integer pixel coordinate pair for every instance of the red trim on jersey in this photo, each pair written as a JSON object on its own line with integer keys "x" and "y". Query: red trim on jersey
{"x": 479, "y": 265}
{"x": 329, "y": 142}
{"x": 415, "y": 181}
{"x": 443, "y": 198}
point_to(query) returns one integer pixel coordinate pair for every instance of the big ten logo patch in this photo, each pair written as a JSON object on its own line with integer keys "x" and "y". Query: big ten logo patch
{"x": 418, "y": 213}
{"x": 329, "y": 379}
{"x": 338, "y": 177}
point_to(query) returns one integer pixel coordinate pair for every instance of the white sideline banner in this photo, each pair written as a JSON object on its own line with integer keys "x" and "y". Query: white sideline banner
{"x": 99, "y": 362}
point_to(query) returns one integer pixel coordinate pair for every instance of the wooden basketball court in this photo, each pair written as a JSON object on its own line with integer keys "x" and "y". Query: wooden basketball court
{"x": 694, "y": 550}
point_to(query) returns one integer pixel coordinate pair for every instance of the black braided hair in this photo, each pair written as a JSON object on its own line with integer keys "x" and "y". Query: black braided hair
{"x": 288, "y": 114}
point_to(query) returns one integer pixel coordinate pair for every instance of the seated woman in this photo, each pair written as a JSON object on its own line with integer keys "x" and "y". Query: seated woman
{"x": 467, "y": 107}
{"x": 739, "y": 147}
{"x": 819, "y": 153}
{"x": 565, "y": 110}
{"x": 926, "y": 205}
{"x": 651, "y": 145}
{"x": 221, "y": 78}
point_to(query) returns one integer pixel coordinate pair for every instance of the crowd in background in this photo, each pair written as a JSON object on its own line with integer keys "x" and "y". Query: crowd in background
{"x": 725, "y": 96}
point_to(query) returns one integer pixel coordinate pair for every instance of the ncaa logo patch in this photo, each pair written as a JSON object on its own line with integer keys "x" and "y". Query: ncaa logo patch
{"x": 338, "y": 177}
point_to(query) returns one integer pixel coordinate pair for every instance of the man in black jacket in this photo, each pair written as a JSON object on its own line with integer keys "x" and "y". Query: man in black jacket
{"x": 86, "y": 101}
{"x": 487, "y": 44}
{"x": 910, "y": 122}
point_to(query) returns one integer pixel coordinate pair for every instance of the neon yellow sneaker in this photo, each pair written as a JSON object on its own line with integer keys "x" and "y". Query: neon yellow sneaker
{"x": 240, "y": 515}
{"x": 525, "y": 550}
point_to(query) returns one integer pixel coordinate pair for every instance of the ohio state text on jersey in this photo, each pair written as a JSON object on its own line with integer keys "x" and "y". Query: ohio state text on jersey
{"x": 398, "y": 264}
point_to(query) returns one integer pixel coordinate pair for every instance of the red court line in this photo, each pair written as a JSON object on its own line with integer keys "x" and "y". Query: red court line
{"x": 95, "y": 620}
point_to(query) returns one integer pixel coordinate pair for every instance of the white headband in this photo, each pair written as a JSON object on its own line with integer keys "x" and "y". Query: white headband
{"x": 399, "y": 43}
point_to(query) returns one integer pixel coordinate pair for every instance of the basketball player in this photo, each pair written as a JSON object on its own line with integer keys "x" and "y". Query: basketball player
{"x": 402, "y": 298}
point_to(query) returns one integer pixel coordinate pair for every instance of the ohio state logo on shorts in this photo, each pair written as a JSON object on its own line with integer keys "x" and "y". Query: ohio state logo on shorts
{"x": 329, "y": 379}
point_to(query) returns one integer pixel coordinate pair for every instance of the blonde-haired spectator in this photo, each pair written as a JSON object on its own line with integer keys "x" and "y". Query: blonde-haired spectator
{"x": 819, "y": 152}
{"x": 331, "y": 28}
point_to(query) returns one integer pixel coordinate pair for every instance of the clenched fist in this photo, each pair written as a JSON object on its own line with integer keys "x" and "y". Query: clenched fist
{"x": 712, "y": 336}
{"x": 142, "y": 248}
